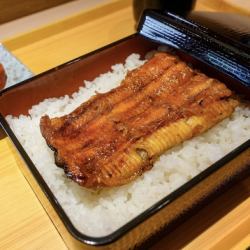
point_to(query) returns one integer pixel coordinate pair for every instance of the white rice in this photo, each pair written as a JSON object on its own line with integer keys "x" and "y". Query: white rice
{"x": 98, "y": 213}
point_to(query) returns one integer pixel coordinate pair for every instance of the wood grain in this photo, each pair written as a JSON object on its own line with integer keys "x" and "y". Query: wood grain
{"x": 236, "y": 6}
{"x": 14, "y": 9}
{"x": 24, "y": 223}
{"x": 74, "y": 36}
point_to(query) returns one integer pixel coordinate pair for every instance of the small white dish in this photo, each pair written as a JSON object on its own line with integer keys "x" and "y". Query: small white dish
{"x": 15, "y": 70}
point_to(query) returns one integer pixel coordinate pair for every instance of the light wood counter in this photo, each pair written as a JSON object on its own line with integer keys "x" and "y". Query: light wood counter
{"x": 24, "y": 224}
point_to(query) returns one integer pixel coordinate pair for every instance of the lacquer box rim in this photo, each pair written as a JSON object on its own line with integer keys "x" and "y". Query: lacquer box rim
{"x": 99, "y": 241}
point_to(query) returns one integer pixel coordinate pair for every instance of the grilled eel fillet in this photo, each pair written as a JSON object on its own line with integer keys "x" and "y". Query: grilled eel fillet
{"x": 114, "y": 137}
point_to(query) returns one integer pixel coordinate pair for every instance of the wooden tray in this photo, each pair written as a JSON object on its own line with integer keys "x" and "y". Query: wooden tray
{"x": 24, "y": 222}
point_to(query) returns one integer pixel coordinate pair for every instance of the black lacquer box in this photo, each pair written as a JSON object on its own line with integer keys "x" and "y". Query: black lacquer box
{"x": 218, "y": 55}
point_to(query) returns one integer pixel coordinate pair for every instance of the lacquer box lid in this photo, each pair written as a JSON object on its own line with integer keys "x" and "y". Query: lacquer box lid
{"x": 204, "y": 36}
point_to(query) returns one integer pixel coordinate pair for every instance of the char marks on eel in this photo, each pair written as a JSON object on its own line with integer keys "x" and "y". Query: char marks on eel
{"x": 114, "y": 137}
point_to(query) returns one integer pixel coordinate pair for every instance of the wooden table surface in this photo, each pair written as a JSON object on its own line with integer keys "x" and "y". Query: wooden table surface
{"x": 24, "y": 224}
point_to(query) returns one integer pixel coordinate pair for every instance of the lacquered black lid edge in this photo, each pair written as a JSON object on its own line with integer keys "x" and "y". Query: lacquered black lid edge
{"x": 203, "y": 44}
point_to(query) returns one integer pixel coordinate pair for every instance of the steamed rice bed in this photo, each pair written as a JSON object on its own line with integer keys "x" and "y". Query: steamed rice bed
{"x": 98, "y": 213}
